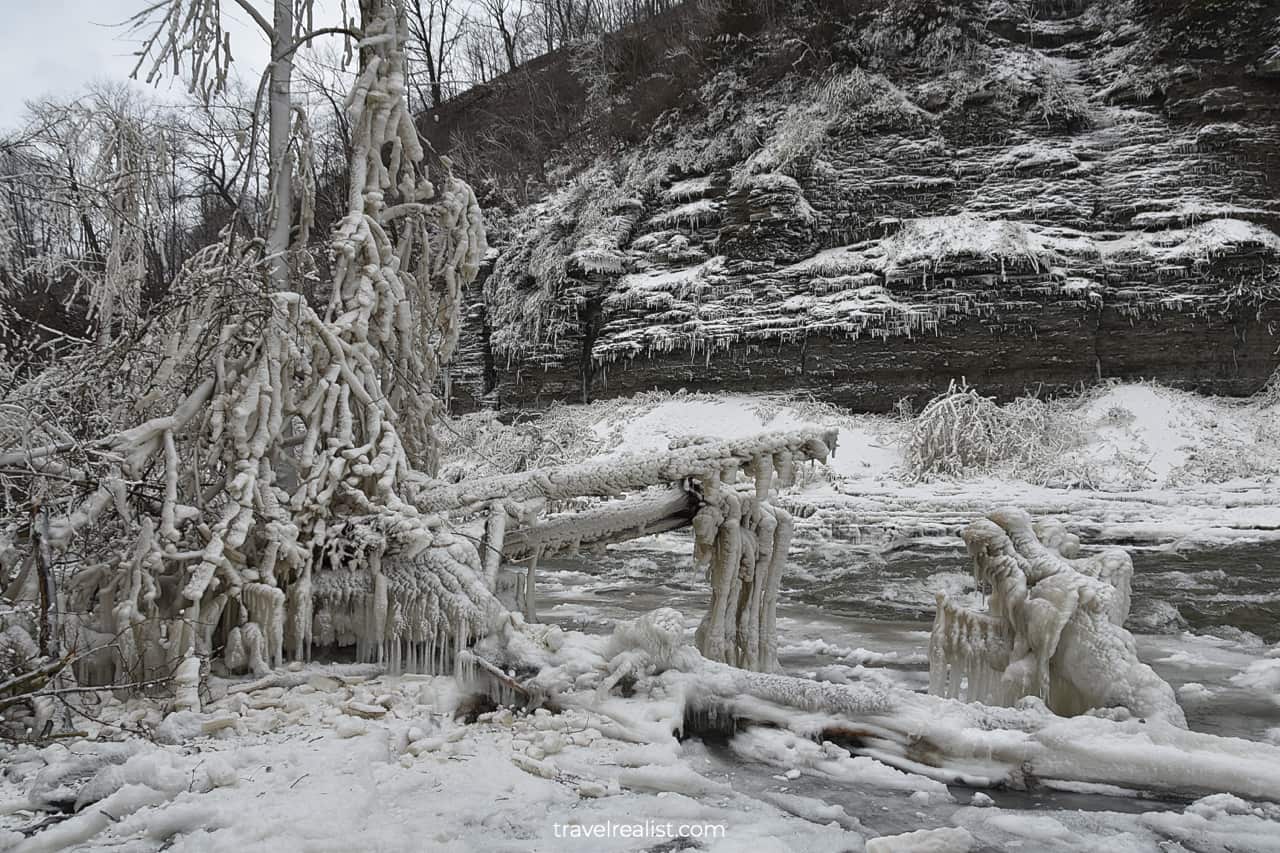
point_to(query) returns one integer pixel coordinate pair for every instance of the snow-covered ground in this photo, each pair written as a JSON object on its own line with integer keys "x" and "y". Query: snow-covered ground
{"x": 1164, "y": 466}
{"x": 343, "y": 757}
{"x": 342, "y": 761}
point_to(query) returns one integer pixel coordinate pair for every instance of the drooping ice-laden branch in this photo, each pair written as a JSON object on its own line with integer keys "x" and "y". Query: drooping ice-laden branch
{"x": 707, "y": 462}
{"x": 653, "y": 511}
{"x": 1054, "y": 628}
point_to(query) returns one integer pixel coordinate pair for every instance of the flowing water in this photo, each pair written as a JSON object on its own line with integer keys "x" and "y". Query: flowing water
{"x": 1200, "y": 618}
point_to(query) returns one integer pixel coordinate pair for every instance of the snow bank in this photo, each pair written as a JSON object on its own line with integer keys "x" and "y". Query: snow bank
{"x": 943, "y": 840}
{"x": 1149, "y": 464}
{"x": 652, "y": 422}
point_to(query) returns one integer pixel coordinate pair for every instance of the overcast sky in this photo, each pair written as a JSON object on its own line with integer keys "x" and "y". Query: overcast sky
{"x": 55, "y": 47}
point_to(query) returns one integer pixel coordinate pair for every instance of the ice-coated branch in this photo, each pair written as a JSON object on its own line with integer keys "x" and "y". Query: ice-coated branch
{"x": 611, "y": 476}
{"x": 655, "y": 511}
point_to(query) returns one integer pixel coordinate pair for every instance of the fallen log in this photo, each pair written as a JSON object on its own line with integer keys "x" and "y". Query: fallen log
{"x": 618, "y": 521}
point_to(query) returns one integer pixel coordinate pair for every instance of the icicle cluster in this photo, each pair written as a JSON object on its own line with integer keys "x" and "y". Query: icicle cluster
{"x": 411, "y": 607}
{"x": 1053, "y": 629}
{"x": 742, "y": 540}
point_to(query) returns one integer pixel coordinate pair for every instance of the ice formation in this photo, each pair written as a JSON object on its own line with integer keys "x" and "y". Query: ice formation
{"x": 288, "y": 421}
{"x": 740, "y": 537}
{"x": 411, "y": 606}
{"x": 743, "y": 541}
{"x": 1053, "y": 628}
{"x": 673, "y": 689}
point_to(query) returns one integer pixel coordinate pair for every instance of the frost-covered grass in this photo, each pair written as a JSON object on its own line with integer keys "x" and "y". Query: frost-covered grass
{"x": 1120, "y": 436}
{"x": 1114, "y": 437}
{"x": 481, "y": 444}
{"x": 852, "y": 101}
{"x": 962, "y": 432}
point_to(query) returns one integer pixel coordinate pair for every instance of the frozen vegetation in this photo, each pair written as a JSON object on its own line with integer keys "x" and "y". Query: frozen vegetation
{"x": 261, "y": 591}
{"x": 1125, "y": 462}
{"x": 593, "y": 728}
{"x": 990, "y": 186}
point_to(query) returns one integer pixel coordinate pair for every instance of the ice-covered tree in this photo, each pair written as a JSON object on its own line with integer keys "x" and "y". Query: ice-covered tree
{"x": 233, "y": 432}
{"x": 92, "y": 192}
{"x": 189, "y": 35}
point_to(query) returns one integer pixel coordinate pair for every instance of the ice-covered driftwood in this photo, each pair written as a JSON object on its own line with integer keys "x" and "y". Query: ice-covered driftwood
{"x": 1053, "y": 629}
{"x": 777, "y": 452}
{"x": 674, "y": 691}
{"x": 721, "y": 488}
{"x": 653, "y": 511}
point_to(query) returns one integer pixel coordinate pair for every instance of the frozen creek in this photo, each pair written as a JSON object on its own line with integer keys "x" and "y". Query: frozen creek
{"x": 334, "y": 757}
{"x": 1200, "y": 618}
{"x": 339, "y": 757}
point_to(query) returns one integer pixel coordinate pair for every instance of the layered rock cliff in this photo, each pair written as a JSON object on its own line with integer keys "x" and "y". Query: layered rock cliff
{"x": 1027, "y": 195}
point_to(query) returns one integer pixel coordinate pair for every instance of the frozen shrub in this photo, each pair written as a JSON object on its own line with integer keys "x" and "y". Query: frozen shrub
{"x": 480, "y": 444}
{"x": 840, "y": 103}
{"x": 1232, "y": 460}
{"x": 962, "y": 432}
{"x": 925, "y": 33}
{"x": 1060, "y": 103}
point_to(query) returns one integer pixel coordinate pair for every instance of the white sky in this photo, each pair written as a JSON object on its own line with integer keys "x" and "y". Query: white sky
{"x": 55, "y": 47}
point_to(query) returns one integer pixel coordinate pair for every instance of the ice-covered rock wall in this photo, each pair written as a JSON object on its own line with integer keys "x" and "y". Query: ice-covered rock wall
{"x": 1092, "y": 195}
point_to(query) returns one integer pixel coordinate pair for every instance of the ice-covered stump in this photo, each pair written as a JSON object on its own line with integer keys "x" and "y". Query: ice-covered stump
{"x": 1053, "y": 628}
{"x": 743, "y": 543}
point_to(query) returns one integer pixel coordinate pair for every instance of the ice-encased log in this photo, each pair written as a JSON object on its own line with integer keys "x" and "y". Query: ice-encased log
{"x": 721, "y": 487}
{"x": 954, "y": 742}
{"x": 1053, "y": 628}
{"x": 654, "y": 511}
{"x": 616, "y": 475}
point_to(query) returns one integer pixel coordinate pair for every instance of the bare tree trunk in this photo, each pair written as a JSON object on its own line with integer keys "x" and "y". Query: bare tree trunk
{"x": 48, "y": 592}
{"x": 278, "y": 112}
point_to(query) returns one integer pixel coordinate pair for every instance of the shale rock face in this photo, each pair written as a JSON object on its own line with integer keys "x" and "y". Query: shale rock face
{"x": 1027, "y": 202}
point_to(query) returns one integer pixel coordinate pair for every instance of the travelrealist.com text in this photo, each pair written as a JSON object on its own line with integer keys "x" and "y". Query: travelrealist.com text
{"x": 643, "y": 829}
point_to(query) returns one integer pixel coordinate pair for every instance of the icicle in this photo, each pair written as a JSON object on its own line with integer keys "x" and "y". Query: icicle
{"x": 265, "y": 607}
{"x": 495, "y": 528}
{"x": 530, "y": 588}
{"x": 186, "y": 684}
{"x": 762, "y": 469}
